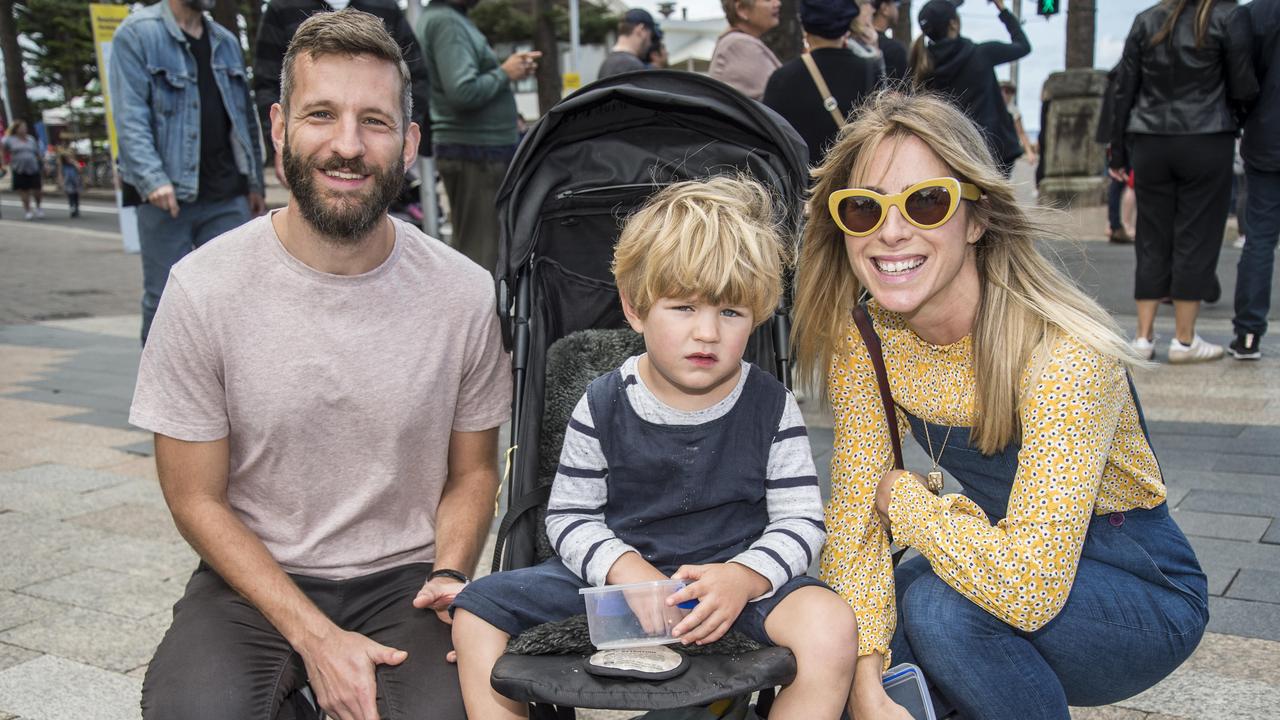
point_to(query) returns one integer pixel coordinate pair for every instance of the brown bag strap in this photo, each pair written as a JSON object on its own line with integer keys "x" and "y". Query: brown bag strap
{"x": 828, "y": 100}
{"x": 872, "y": 341}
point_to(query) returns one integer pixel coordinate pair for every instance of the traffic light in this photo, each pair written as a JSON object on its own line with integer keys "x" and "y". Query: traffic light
{"x": 1048, "y": 7}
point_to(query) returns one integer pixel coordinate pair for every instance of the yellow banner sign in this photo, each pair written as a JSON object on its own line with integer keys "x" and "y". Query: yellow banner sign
{"x": 105, "y": 19}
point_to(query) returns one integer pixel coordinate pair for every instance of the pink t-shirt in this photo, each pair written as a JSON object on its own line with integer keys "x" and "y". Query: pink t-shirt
{"x": 338, "y": 393}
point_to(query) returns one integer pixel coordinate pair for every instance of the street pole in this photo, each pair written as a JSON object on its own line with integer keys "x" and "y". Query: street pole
{"x": 575, "y": 39}
{"x": 1013, "y": 66}
{"x": 426, "y": 165}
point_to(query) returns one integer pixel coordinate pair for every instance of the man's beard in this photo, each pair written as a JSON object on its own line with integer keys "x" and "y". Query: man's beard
{"x": 201, "y": 5}
{"x": 345, "y": 219}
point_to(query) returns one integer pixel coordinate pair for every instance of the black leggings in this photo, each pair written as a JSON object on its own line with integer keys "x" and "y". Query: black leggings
{"x": 1183, "y": 184}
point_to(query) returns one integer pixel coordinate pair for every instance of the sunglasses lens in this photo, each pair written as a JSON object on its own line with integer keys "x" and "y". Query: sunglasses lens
{"x": 929, "y": 205}
{"x": 859, "y": 214}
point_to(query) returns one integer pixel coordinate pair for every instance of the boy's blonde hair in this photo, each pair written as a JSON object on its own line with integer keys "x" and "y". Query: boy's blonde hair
{"x": 714, "y": 239}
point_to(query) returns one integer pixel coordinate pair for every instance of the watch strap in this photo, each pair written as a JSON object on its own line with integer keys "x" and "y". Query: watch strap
{"x": 449, "y": 573}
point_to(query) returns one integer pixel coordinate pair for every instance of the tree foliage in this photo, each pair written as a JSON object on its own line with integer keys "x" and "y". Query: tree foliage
{"x": 59, "y": 52}
{"x": 511, "y": 21}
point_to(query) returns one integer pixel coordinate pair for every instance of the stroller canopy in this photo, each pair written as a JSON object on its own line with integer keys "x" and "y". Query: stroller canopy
{"x": 618, "y": 140}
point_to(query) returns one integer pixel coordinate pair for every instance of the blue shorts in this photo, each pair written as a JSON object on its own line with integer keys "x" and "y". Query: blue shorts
{"x": 516, "y": 600}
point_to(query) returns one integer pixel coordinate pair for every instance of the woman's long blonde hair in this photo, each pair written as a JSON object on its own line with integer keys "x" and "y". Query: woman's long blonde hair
{"x": 1026, "y": 303}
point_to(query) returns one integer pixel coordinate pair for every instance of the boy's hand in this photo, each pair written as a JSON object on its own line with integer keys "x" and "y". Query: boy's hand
{"x": 722, "y": 590}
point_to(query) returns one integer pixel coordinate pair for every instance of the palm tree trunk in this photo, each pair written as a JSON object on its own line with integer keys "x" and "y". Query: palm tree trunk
{"x": 786, "y": 41}
{"x": 544, "y": 41}
{"x": 14, "y": 74}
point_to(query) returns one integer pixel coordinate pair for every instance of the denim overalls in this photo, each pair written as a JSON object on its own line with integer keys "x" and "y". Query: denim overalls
{"x": 1136, "y": 610}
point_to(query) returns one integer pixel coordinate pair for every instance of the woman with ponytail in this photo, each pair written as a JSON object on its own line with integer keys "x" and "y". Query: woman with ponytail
{"x": 1058, "y": 578}
{"x": 1184, "y": 75}
{"x": 943, "y": 61}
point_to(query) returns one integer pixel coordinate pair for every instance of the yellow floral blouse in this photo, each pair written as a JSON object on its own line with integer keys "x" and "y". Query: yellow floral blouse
{"x": 1083, "y": 454}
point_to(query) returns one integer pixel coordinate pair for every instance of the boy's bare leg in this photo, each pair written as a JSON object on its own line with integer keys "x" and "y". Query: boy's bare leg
{"x": 820, "y": 630}
{"x": 479, "y": 645}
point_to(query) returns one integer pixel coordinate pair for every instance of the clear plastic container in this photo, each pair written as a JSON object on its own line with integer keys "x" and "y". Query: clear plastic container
{"x": 634, "y": 615}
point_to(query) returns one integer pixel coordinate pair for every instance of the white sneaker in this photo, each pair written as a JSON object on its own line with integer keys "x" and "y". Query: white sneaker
{"x": 40, "y": 213}
{"x": 1198, "y": 351}
{"x": 1144, "y": 347}
{"x": 1239, "y": 242}
{"x": 30, "y": 215}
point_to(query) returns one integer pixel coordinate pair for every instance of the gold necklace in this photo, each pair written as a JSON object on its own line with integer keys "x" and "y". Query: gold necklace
{"x": 935, "y": 475}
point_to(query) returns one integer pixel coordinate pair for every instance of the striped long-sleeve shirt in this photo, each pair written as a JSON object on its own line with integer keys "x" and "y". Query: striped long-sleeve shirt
{"x": 578, "y": 526}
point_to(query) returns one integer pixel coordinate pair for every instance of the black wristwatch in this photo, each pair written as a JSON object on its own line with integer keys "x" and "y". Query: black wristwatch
{"x": 446, "y": 572}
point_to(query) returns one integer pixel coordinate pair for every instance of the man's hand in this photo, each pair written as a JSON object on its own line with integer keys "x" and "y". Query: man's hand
{"x": 341, "y": 668}
{"x": 521, "y": 65}
{"x": 438, "y": 594}
{"x": 1118, "y": 174}
{"x": 722, "y": 590}
{"x": 257, "y": 204}
{"x": 999, "y": 5}
{"x": 164, "y": 198}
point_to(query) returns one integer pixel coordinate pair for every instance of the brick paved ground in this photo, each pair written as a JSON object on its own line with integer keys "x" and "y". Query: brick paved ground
{"x": 90, "y": 562}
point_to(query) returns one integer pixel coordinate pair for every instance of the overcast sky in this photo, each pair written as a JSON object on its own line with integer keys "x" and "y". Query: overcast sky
{"x": 979, "y": 22}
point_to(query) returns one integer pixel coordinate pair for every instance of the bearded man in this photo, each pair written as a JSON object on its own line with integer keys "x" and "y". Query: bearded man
{"x": 325, "y": 386}
{"x": 188, "y": 134}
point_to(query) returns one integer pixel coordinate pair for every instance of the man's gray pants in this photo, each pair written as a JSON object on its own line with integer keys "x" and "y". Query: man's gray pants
{"x": 222, "y": 659}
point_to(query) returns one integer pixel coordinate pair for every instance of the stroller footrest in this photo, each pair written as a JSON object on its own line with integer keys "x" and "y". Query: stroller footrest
{"x": 563, "y": 680}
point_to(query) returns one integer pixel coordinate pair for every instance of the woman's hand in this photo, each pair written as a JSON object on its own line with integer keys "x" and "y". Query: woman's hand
{"x": 884, "y": 491}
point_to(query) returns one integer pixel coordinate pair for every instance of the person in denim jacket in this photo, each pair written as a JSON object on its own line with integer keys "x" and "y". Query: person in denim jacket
{"x": 189, "y": 137}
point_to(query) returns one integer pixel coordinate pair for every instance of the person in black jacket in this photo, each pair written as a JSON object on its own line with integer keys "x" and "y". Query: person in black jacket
{"x": 944, "y": 61}
{"x": 280, "y": 20}
{"x": 895, "y": 53}
{"x": 1261, "y": 151}
{"x": 791, "y": 90}
{"x": 1178, "y": 116}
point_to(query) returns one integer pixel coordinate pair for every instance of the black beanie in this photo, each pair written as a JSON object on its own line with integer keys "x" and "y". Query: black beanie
{"x": 827, "y": 18}
{"x": 935, "y": 17}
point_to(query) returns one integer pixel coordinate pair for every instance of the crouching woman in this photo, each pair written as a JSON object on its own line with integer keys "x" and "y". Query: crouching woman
{"x": 1058, "y": 577}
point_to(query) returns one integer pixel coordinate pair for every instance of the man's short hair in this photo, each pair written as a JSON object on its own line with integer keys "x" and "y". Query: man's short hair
{"x": 346, "y": 32}
{"x": 714, "y": 239}
{"x": 637, "y": 18}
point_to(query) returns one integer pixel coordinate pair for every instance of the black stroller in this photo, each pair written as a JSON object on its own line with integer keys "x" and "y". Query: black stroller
{"x": 593, "y": 159}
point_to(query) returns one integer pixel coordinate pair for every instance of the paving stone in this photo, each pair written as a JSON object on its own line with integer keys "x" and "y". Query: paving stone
{"x": 1221, "y": 525}
{"x": 100, "y": 639}
{"x": 11, "y": 655}
{"x": 62, "y": 477}
{"x": 141, "y": 520}
{"x": 1175, "y": 493}
{"x": 1187, "y": 459}
{"x": 103, "y": 418}
{"x": 1248, "y": 483}
{"x": 133, "y": 491}
{"x": 1245, "y": 463}
{"x": 1219, "y": 578}
{"x": 73, "y": 399}
{"x": 1110, "y": 712}
{"x": 1239, "y": 657}
{"x": 32, "y": 564}
{"x": 131, "y": 596}
{"x": 1202, "y": 694}
{"x": 146, "y": 448}
{"x": 1235, "y": 503}
{"x": 19, "y": 609}
{"x": 137, "y": 467}
{"x": 81, "y": 455}
{"x": 135, "y": 556}
{"x": 91, "y": 382}
{"x": 43, "y": 501}
{"x": 21, "y": 533}
{"x": 1257, "y": 585}
{"x": 51, "y": 688}
{"x": 11, "y": 461}
{"x": 1221, "y": 430}
{"x": 1229, "y": 553}
{"x": 1246, "y": 618}
{"x": 1272, "y": 535}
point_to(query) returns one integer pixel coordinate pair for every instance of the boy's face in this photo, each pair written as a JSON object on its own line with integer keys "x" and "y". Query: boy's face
{"x": 693, "y": 349}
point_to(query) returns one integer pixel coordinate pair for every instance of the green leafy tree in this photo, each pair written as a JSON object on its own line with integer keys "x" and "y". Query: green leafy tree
{"x": 14, "y": 72}
{"x": 60, "y": 52}
{"x": 512, "y": 21}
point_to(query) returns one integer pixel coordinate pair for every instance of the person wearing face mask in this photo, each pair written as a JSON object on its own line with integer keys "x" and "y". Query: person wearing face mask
{"x": 741, "y": 59}
{"x": 189, "y": 137}
{"x": 943, "y": 61}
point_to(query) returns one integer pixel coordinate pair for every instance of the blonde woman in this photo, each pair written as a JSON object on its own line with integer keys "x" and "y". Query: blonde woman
{"x": 741, "y": 59}
{"x": 1058, "y": 577}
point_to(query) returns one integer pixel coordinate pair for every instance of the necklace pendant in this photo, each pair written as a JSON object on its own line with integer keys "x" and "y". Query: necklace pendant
{"x": 934, "y": 483}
